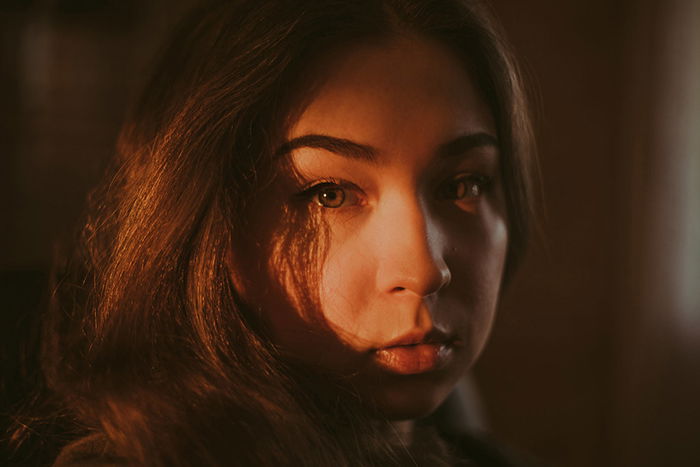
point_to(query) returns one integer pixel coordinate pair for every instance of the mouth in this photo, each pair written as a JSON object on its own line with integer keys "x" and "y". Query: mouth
{"x": 416, "y": 353}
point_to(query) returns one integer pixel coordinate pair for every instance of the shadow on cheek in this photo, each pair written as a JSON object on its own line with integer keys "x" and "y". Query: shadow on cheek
{"x": 277, "y": 270}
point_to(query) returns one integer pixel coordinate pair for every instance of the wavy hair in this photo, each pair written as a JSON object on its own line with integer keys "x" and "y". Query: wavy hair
{"x": 147, "y": 339}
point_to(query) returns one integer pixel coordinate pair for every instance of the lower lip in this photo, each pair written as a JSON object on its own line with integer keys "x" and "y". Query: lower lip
{"x": 413, "y": 359}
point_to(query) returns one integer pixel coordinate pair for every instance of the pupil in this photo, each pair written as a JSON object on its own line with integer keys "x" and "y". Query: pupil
{"x": 331, "y": 198}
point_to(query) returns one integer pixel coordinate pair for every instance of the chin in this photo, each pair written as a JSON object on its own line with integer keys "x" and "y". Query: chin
{"x": 410, "y": 398}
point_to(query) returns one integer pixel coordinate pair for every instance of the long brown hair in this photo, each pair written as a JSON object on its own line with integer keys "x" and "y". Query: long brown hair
{"x": 147, "y": 340}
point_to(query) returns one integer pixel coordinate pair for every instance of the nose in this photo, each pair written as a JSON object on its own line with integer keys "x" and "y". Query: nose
{"x": 411, "y": 251}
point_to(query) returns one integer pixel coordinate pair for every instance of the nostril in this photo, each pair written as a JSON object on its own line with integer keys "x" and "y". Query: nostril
{"x": 424, "y": 283}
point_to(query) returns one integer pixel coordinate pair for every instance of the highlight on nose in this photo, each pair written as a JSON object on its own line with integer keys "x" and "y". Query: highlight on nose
{"x": 411, "y": 256}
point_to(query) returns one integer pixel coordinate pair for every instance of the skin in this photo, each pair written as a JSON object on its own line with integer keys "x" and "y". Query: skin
{"x": 417, "y": 243}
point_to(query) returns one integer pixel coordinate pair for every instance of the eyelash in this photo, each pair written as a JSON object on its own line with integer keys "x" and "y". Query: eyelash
{"x": 310, "y": 193}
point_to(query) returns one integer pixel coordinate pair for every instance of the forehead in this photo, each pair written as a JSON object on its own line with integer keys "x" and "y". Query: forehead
{"x": 406, "y": 92}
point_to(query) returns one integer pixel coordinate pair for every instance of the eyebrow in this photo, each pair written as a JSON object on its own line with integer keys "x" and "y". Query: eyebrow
{"x": 340, "y": 146}
{"x": 353, "y": 150}
{"x": 466, "y": 143}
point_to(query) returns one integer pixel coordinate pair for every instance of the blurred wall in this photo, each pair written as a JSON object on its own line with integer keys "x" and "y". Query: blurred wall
{"x": 546, "y": 374}
{"x": 595, "y": 358}
{"x": 69, "y": 68}
{"x": 561, "y": 378}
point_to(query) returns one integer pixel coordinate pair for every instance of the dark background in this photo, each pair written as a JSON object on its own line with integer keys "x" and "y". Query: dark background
{"x": 595, "y": 356}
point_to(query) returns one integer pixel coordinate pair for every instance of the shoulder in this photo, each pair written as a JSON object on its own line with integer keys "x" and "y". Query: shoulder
{"x": 91, "y": 451}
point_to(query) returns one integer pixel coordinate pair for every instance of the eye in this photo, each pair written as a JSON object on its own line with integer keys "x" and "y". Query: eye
{"x": 332, "y": 194}
{"x": 465, "y": 186}
{"x": 330, "y": 197}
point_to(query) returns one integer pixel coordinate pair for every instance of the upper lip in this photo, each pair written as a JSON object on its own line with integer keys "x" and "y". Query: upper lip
{"x": 433, "y": 336}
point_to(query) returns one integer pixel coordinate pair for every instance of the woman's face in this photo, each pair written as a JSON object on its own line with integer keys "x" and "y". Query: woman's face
{"x": 396, "y": 153}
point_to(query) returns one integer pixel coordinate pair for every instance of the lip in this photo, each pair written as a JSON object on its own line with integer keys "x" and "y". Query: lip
{"x": 413, "y": 359}
{"x": 416, "y": 352}
{"x": 434, "y": 336}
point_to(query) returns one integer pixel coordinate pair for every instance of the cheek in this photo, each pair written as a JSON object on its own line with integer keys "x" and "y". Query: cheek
{"x": 477, "y": 268}
{"x": 346, "y": 287}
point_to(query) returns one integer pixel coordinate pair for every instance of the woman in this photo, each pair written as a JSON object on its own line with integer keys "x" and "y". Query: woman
{"x": 302, "y": 244}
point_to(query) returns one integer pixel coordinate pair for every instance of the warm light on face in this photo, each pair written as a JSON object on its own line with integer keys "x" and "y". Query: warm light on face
{"x": 397, "y": 154}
